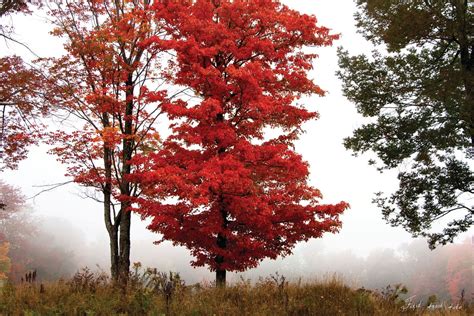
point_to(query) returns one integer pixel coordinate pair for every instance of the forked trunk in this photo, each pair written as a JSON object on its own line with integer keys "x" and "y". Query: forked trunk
{"x": 109, "y": 216}
{"x": 125, "y": 188}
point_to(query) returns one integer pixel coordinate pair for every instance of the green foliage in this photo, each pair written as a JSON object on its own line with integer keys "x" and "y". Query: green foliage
{"x": 419, "y": 98}
{"x": 393, "y": 293}
{"x": 432, "y": 300}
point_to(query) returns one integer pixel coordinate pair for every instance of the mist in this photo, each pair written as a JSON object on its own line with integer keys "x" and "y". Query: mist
{"x": 58, "y": 248}
{"x": 66, "y": 232}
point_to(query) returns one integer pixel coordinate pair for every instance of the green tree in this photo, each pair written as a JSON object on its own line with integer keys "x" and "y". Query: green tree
{"x": 417, "y": 90}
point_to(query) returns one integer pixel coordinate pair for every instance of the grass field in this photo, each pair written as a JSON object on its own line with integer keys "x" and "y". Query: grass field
{"x": 154, "y": 293}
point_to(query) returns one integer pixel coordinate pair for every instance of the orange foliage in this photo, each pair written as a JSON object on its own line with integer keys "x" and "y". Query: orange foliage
{"x": 5, "y": 263}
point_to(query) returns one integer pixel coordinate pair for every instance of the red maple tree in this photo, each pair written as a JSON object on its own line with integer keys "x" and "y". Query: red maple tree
{"x": 459, "y": 272}
{"x": 22, "y": 105}
{"x": 104, "y": 82}
{"x": 228, "y": 184}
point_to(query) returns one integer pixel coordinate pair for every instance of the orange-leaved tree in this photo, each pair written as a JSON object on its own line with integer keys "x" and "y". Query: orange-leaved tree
{"x": 22, "y": 102}
{"x": 22, "y": 105}
{"x": 105, "y": 81}
{"x": 4, "y": 260}
{"x": 223, "y": 185}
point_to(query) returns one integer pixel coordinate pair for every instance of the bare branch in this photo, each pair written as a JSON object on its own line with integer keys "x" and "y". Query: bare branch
{"x": 49, "y": 187}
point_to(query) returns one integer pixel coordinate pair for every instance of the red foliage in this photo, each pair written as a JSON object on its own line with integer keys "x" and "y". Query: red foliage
{"x": 109, "y": 79}
{"x": 21, "y": 107}
{"x": 459, "y": 271}
{"x": 21, "y": 102}
{"x": 102, "y": 80}
{"x": 221, "y": 185}
{"x": 13, "y": 6}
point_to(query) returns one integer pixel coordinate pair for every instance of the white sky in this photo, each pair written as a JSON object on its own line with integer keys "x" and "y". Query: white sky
{"x": 334, "y": 171}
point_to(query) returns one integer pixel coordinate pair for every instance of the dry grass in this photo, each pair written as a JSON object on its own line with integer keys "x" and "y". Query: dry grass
{"x": 153, "y": 293}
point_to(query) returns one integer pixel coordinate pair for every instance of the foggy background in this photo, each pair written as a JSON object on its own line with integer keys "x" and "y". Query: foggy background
{"x": 366, "y": 252}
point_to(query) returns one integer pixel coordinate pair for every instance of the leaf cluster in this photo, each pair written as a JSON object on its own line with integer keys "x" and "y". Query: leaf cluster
{"x": 419, "y": 102}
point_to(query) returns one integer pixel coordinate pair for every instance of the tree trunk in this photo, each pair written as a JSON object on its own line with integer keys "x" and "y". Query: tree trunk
{"x": 466, "y": 50}
{"x": 114, "y": 255}
{"x": 221, "y": 239}
{"x": 112, "y": 222}
{"x": 112, "y": 230}
{"x": 124, "y": 257}
{"x": 220, "y": 273}
{"x": 220, "y": 278}
{"x": 109, "y": 218}
{"x": 125, "y": 189}
{"x": 468, "y": 78}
